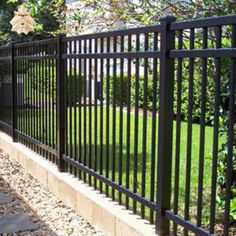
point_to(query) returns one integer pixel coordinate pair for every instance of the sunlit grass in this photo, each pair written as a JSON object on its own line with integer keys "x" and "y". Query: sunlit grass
{"x": 74, "y": 129}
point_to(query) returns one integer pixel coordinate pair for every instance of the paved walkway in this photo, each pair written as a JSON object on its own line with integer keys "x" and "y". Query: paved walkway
{"x": 16, "y": 223}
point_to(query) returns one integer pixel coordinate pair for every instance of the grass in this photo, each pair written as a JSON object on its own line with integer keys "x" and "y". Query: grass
{"x": 72, "y": 139}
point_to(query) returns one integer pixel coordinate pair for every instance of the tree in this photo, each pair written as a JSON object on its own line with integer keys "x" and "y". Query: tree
{"x": 49, "y": 17}
{"x": 105, "y": 13}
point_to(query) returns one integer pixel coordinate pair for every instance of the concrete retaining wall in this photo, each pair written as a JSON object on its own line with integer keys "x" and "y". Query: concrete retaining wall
{"x": 90, "y": 204}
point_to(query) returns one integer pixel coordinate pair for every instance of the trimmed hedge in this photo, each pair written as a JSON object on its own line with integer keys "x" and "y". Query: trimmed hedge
{"x": 117, "y": 86}
{"x": 48, "y": 79}
{"x": 196, "y": 113}
{"x": 74, "y": 87}
{"x": 197, "y": 89}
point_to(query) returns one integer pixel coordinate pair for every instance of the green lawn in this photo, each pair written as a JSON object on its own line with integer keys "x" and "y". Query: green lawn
{"x": 182, "y": 172}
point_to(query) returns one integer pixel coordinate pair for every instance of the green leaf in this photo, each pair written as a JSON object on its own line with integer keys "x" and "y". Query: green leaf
{"x": 12, "y": 1}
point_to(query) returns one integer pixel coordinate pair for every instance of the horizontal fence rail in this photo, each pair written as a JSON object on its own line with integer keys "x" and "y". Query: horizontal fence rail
{"x": 135, "y": 113}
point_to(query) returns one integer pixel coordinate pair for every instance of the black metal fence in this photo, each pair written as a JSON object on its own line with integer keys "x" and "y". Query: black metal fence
{"x": 134, "y": 113}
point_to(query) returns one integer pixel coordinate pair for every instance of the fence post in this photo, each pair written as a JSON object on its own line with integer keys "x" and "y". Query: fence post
{"x": 60, "y": 104}
{"x": 14, "y": 94}
{"x": 165, "y": 125}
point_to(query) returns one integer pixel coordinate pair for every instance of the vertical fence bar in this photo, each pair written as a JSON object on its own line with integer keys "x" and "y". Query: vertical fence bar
{"x": 14, "y": 95}
{"x": 95, "y": 111}
{"x": 43, "y": 79}
{"x": 165, "y": 125}
{"x": 101, "y": 113}
{"x": 69, "y": 110}
{"x": 178, "y": 129}
{"x": 23, "y": 117}
{"x": 46, "y": 101}
{"x": 202, "y": 131}
{"x": 154, "y": 124}
{"x": 34, "y": 99}
{"x": 38, "y": 100}
{"x": 60, "y": 105}
{"x": 40, "y": 97}
{"x": 144, "y": 133}
{"x": 107, "y": 113}
{"x": 75, "y": 106}
{"x": 216, "y": 131}
{"x": 136, "y": 122}
{"x": 114, "y": 117}
{"x": 128, "y": 124}
{"x": 85, "y": 108}
{"x": 189, "y": 131}
{"x": 231, "y": 140}
{"x": 121, "y": 118}
{"x": 80, "y": 84}
{"x": 90, "y": 151}
{"x": 53, "y": 106}
{"x": 50, "y": 84}
{"x": 66, "y": 76}
{"x": 29, "y": 98}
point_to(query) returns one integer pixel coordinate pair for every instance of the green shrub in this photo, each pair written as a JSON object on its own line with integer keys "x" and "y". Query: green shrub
{"x": 197, "y": 90}
{"x": 223, "y": 153}
{"x": 141, "y": 91}
{"x": 47, "y": 78}
{"x": 115, "y": 93}
{"x": 209, "y": 106}
{"x": 74, "y": 87}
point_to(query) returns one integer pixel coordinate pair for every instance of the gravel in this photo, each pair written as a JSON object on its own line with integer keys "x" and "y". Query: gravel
{"x": 47, "y": 211}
